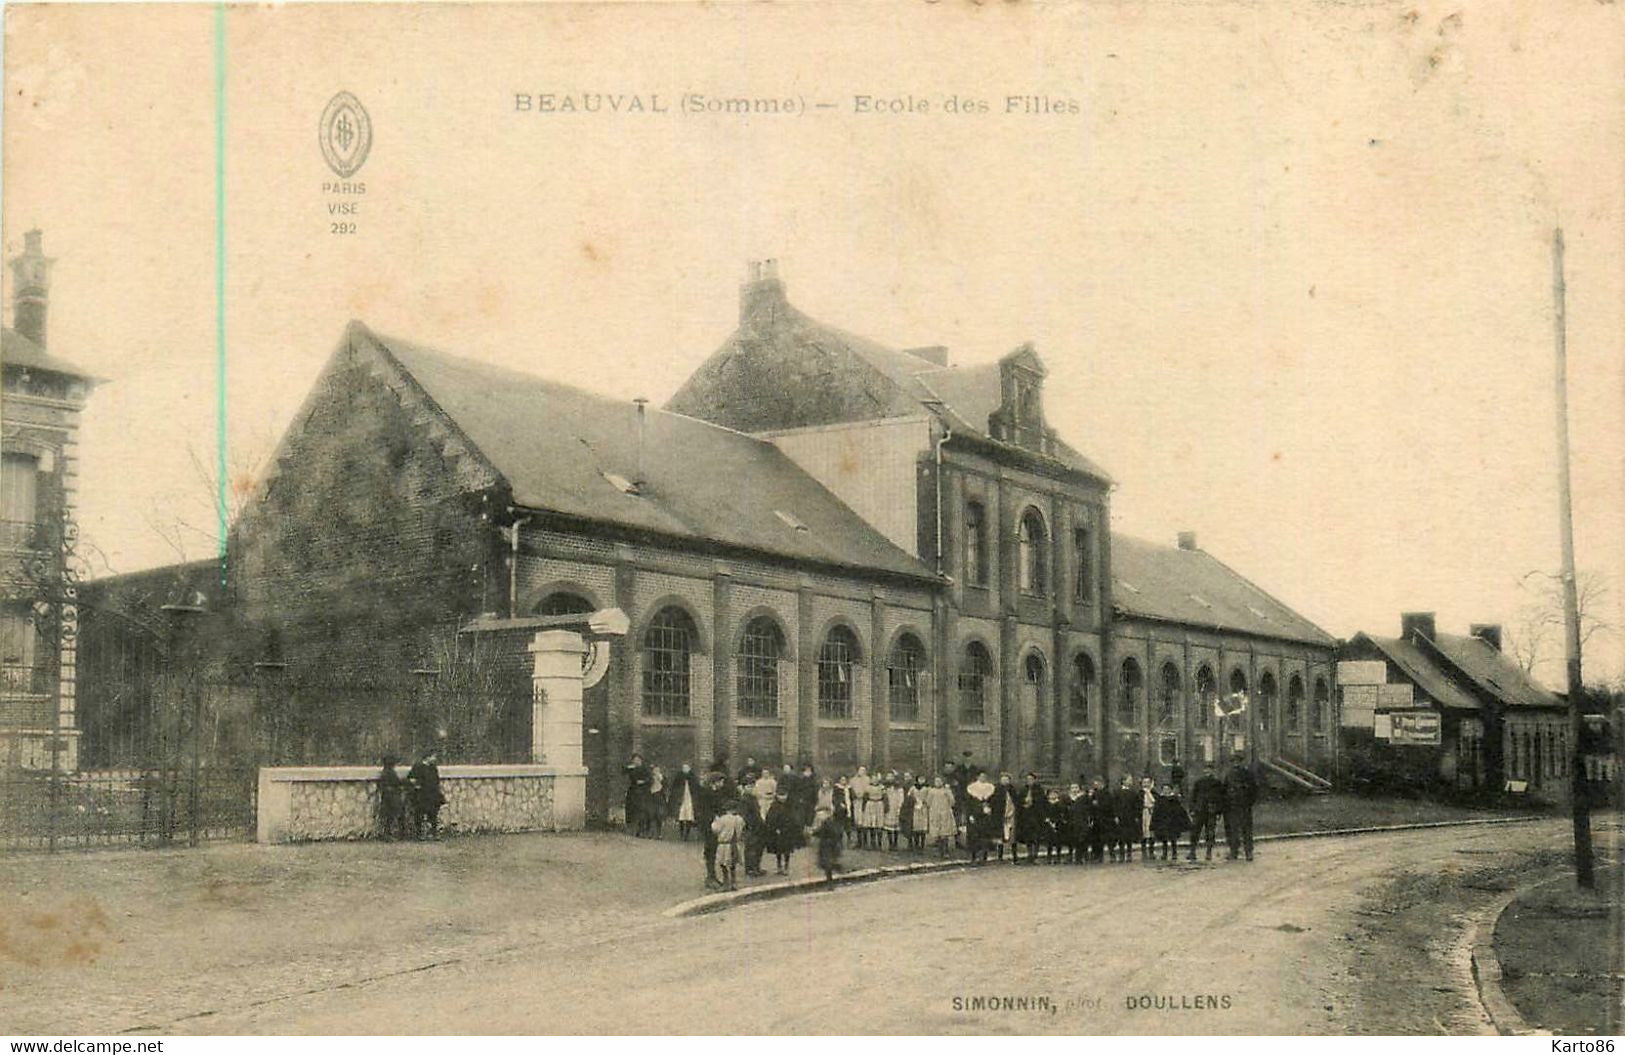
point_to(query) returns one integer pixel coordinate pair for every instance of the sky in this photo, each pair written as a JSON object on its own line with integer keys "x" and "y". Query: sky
{"x": 1289, "y": 266}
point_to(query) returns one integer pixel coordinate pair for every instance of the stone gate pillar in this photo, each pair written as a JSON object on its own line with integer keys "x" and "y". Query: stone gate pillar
{"x": 557, "y": 680}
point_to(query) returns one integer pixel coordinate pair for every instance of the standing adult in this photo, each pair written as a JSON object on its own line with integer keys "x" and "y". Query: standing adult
{"x": 1126, "y": 805}
{"x": 1240, "y": 793}
{"x": 1030, "y": 804}
{"x": 1207, "y": 803}
{"x": 683, "y": 800}
{"x": 424, "y": 780}
{"x": 1004, "y": 810}
{"x": 981, "y": 824}
{"x": 707, "y": 806}
{"x": 637, "y": 790}
{"x": 391, "y": 801}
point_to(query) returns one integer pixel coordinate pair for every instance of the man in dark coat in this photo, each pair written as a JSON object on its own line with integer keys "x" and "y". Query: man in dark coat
{"x": 805, "y": 796}
{"x": 1127, "y": 802}
{"x": 1078, "y": 820}
{"x": 1101, "y": 819}
{"x": 424, "y": 780}
{"x": 637, "y": 790}
{"x": 391, "y": 802}
{"x": 749, "y": 771}
{"x": 1030, "y": 814}
{"x": 706, "y": 806}
{"x": 1240, "y": 793}
{"x": 1207, "y": 803}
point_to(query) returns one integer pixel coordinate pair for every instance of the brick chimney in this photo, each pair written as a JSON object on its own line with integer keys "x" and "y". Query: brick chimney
{"x": 1413, "y": 623}
{"x": 31, "y": 286}
{"x": 1489, "y": 633}
{"x": 761, "y": 291}
{"x": 1187, "y": 540}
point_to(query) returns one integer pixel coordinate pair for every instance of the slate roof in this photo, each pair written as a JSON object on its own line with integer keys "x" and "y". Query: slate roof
{"x": 1423, "y": 669}
{"x": 783, "y": 369}
{"x": 1194, "y": 588}
{"x": 17, "y": 350}
{"x": 1493, "y": 671}
{"x": 558, "y": 448}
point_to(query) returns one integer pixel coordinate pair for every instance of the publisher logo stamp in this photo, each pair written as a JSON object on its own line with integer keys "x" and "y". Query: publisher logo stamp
{"x": 345, "y": 135}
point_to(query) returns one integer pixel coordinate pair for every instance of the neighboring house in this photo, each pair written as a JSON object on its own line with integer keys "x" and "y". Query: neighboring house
{"x": 43, "y": 395}
{"x": 1494, "y": 723}
{"x": 828, "y": 550}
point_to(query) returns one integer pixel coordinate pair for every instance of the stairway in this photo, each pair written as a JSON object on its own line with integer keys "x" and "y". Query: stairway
{"x": 1296, "y": 776}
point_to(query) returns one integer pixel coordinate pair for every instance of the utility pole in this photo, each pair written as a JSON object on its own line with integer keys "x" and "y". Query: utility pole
{"x": 1578, "y": 790}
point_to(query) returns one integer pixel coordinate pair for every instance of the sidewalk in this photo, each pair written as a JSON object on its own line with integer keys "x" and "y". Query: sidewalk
{"x": 1561, "y": 957}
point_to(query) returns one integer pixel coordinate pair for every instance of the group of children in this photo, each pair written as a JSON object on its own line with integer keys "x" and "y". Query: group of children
{"x": 744, "y": 816}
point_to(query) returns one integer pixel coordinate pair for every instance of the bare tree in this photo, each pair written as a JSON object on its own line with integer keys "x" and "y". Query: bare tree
{"x": 1540, "y": 618}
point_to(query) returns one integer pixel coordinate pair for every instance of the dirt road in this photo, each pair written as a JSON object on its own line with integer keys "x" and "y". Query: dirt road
{"x": 1317, "y": 936}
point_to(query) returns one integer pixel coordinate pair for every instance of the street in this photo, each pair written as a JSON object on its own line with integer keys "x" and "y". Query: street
{"x": 1317, "y": 936}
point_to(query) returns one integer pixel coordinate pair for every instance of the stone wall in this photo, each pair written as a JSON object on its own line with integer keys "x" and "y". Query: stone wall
{"x": 309, "y": 804}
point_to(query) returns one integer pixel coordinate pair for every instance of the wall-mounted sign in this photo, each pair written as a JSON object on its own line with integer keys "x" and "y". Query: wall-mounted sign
{"x": 1362, "y": 672}
{"x": 1415, "y": 727}
{"x": 1395, "y": 697}
{"x": 1359, "y": 705}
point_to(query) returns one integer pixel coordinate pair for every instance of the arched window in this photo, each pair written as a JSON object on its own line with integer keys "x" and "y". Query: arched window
{"x": 975, "y": 544}
{"x": 564, "y": 603}
{"x": 975, "y": 671}
{"x": 1132, "y": 696}
{"x": 1034, "y": 669}
{"x": 1168, "y": 696}
{"x": 1266, "y": 700}
{"x": 903, "y": 678}
{"x": 1207, "y": 693}
{"x": 1032, "y": 545}
{"x": 837, "y": 661}
{"x": 667, "y": 647}
{"x": 1319, "y": 706}
{"x": 761, "y": 647}
{"x": 1083, "y": 689}
{"x": 1294, "y": 704}
{"x": 1238, "y": 683}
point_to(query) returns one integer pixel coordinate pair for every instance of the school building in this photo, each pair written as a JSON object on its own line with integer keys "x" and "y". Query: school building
{"x": 828, "y": 550}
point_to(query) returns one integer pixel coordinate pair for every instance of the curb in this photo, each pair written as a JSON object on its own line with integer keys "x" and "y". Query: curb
{"x": 710, "y": 903}
{"x": 1486, "y": 968}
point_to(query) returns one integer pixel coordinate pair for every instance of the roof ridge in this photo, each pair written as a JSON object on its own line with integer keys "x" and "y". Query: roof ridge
{"x": 1265, "y": 593}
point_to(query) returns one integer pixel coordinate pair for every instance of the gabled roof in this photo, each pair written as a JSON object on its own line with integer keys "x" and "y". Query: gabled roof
{"x": 783, "y": 369}
{"x": 1193, "y": 588}
{"x": 1492, "y": 670}
{"x": 563, "y": 450}
{"x": 17, "y": 350}
{"x": 1423, "y": 669}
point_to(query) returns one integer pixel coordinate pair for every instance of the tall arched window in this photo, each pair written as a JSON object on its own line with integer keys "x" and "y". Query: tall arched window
{"x": 975, "y": 671}
{"x": 837, "y": 673}
{"x": 668, "y": 645}
{"x": 1083, "y": 691}
{"x": 1294, "y": 704}
{"x": 1319, "y": 706}
{"x": 1207, "y": 693}
{"x": 1168, "y": 696}
{"x": 1032, "y": 545}
{"x": 1132, "y": 695}
{"x": 1238, "y": 681}
{"x": 564, "y": 603}
{"x": 975, "y": 544}
{"x": 903, "y": 678}
{"x": 761, "y": 647}
{"x": 1034, "y": 669}
{"x": 1266, "y": 701}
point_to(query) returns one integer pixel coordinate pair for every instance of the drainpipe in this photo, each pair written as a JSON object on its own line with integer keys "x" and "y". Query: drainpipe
{"x": 513, "y": 565}
{"x": 939, "y": 406}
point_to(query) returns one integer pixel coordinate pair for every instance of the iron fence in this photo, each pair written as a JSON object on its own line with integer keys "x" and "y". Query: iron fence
{"x": 124, "y": 807}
